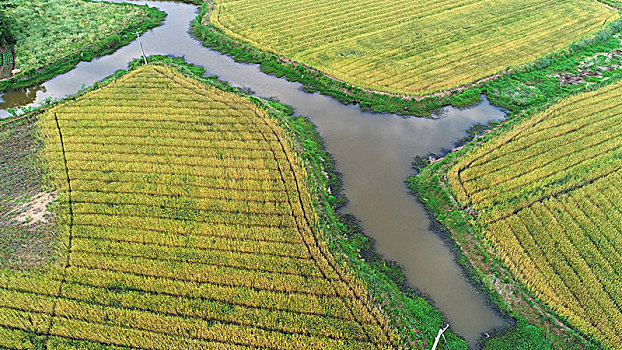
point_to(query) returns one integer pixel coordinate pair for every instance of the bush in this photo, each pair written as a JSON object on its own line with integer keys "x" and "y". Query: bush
{"x": 524, "y": 336}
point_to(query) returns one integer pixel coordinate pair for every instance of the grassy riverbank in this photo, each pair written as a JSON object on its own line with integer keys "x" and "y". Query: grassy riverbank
{"x": 53, "y": 36}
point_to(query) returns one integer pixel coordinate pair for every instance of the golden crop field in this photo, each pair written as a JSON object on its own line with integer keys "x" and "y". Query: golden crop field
{"x": 410, "y": 47}
{"x": 188, "y": 226}
{"x": 549, "y": 198}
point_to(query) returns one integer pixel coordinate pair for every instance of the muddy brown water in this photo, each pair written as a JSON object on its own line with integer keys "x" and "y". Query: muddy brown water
{"x": 372, "y": 151}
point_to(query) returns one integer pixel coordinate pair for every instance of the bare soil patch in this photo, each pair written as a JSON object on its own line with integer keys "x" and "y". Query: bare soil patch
{"x": 34, "y": 211}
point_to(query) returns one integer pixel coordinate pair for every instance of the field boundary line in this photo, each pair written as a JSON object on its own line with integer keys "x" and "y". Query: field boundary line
{"x": 67, "y": 260}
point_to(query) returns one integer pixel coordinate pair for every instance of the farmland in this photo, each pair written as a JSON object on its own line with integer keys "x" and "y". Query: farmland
{"x": 52, "y": 36}
{"x": 163, "y": 208}
{"x": 26, "y": 239}
{"x": 407, "y": 47}
{"x": 546, "y": 195}
{"x": 186, "y": 223}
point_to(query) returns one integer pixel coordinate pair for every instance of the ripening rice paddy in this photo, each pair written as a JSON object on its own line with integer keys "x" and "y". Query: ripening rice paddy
{"x": 410, "y": 47}
{"x": 187, "y": 225}
{"x": 548, "y": 194}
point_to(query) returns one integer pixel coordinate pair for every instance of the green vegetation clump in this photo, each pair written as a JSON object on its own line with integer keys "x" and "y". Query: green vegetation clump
{"x": 585, "y": 66}
{"x": 523, "y": 337}
{"x": 6, "y": 63}
{"x": 7, "y": 39}
{"x": 51, "y": 36}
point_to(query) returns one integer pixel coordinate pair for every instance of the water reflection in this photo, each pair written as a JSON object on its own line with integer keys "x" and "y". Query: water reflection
{"x": 20, "y": 97}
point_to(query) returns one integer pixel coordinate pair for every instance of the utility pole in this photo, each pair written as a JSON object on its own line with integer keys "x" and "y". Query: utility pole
{"x": 438, "y": 336}
{"x": 141, "y": 48}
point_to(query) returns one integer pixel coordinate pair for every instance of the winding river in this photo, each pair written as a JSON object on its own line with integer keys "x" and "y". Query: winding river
{"x": 372, "y": 151}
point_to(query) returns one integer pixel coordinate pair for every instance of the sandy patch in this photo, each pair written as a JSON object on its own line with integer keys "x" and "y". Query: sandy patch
{"x": 35, "y": 210}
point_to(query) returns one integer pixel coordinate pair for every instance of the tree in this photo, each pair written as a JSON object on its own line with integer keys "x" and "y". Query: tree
{"x": 7, "y": 24}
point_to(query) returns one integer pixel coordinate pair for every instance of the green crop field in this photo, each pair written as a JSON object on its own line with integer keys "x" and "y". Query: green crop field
{"x": 48, "y": 30}
{"x": 410, "y": 47}
{"x": 548, "y": 194}
{"x": 186, "y": 224}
